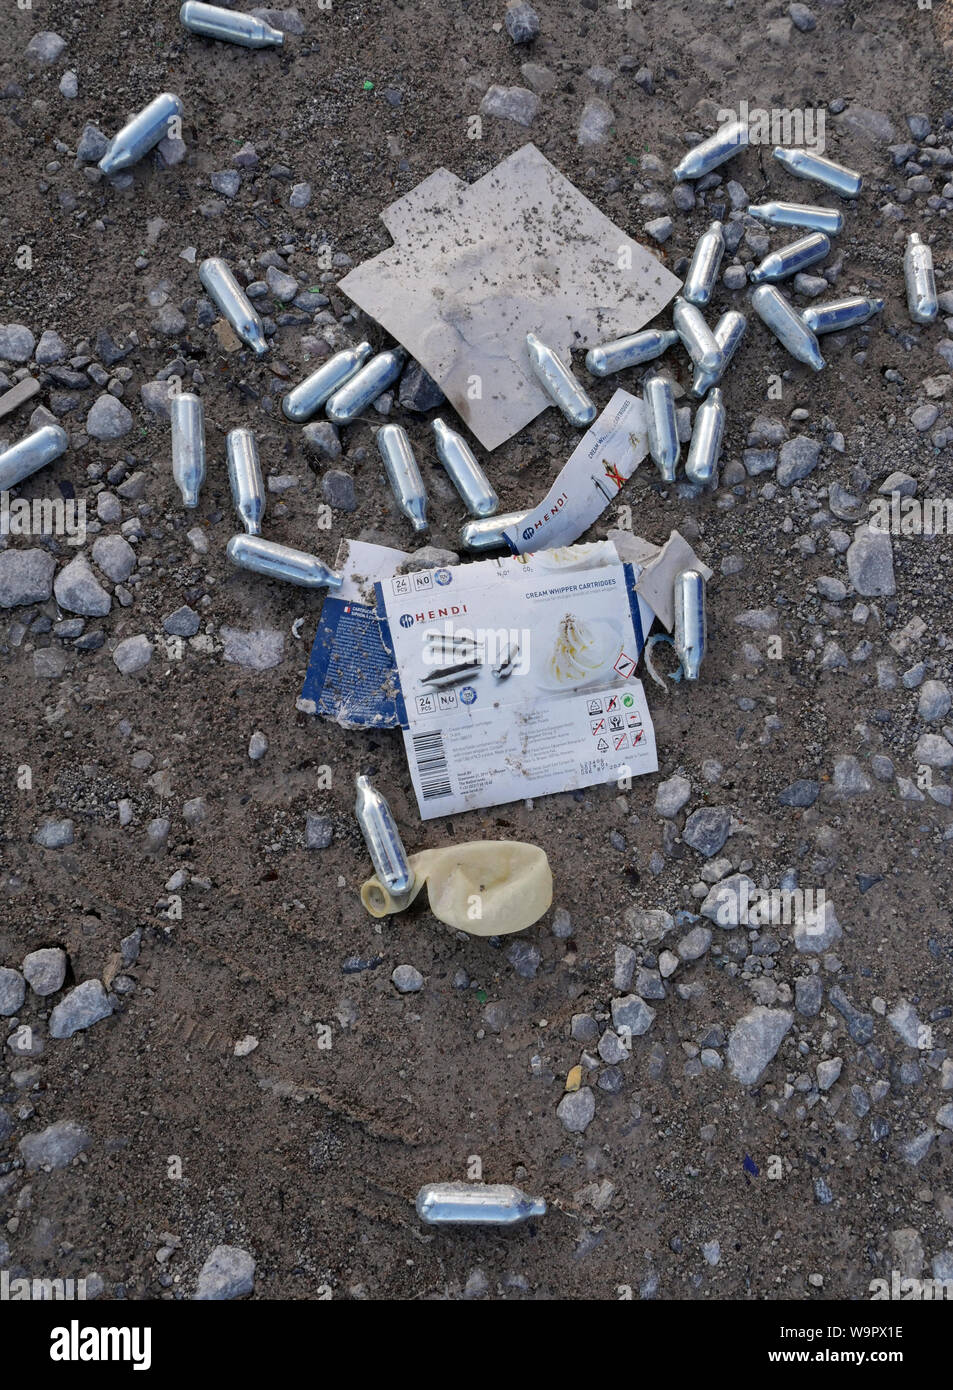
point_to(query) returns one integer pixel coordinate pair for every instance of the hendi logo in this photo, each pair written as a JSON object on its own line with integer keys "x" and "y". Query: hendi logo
{"x": 528, "y": 533}
{"x": 407, "y": 620}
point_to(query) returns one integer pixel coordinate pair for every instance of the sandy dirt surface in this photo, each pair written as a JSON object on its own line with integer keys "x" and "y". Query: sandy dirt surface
{"x": 687, "y": 1182}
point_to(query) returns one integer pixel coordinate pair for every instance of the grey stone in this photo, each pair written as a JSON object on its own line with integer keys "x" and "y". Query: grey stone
{"x": 516, "y": 104}
{"x": 671, "y": 796}
{"x": 229, "y": 1272}
{"x": 289, "y": 22}
{"x": 860, "y": 1026}
{"x": 184, "y": 622}
{"x": 808, "y": 993}
{"x": 45, "y": 970}
{"x": 195, "y": 810}
{"x": 282, "y": 285}
{"x": 706, "y": 830}
{"x": 804, "y": 792}
{"x": 905, "y": 1023}
{"x": 873, "y": 127}
{"x": 54, "y": 834}
{"x": 26, "y": 576}
{"x": 797, "y": 458}
{"x": 338, "y": 490}
{"x": 870, "y": 563}
{"x": 226, "y": 181}
{"x": 156, "y": 397}
{"x": 83, "y": 1006}
{"x": 69, "y": 85}
{"x": 50, "y": 349}
{"x": 934, "y": 702}
{"x": 625, "y": 962}
{"x": 754, "y": 1040}
{"x": 660, "y": 229}
{"x": 849, "y": 778}
{"x": 934, "y": 751}
{"x": 318, "y": 832}
{"x": 525, "y": 959}
{"x": 522, "y": 21}
{"x": 407, "y": 979}
{"x": 300, "y": 195}
{"x": 169, "y": 321}
{"x": 694, "y": 943}
{"x": 650, "y": 924}
{"x": 611, "y": 1048}
{"x": 55, "y": 1146}
{"x": 595, "y": 123}
{"x": 817, "y": 931}
{"x": 257, "y": 746}
{"x": 632, "y": 1014}
{"x": 418, "y": 391}
{"x": 132, "y": 654}
{"x": 16, "y": 342}
{"x": 259, "y": 650}
{"x": 115, "y": 557}
{"x": 12, "y": 991}
{"x": 576, "y": 1110}
{"x": 108, "y": 418}
{"x": 321, "y": 437}
{"x": 583, "y": 1028}
{"x": 44, "y": 48}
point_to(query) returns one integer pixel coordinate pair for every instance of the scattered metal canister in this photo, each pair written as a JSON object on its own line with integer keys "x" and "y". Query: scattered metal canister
{"x": 487, "y": 534}
{"x": 558, "y": 382}
{"x": 704, "y": 451}
{"x": 806, "y": 165}
{"x": 920, "y": 280}
{"x": 661, "y": 424}
{"x": 787, "y": 325}
{"x": 30, "y": 454}
{"x": 307, "y": 398}
{"x": 697, "y": 338}
{"x": 703, "y": 271}
{"x": 476, "y": 1204}
{"x": 827, "y": 220}
{"x": 231, "y": 26}
{"x": 701, "y": 159}
{"x": 188, "y": 445}
{"x": 403, "y": 474}
{"x": 729, "y": 331}
{"x": 841, "y": 314}
{"x": 630, "y": 351}
{"x": 788, "y": 260}
{"x": 464, "y": 469}
{"x": 363, "y": 388}
{"x": 244, "y": 476}
{"x": 228, "y": 296}
{"x": 382, "y": 838}
{"x": 139, "y": 135}
{"x": 282, "y": 562}
{"x": 690, "y": 627}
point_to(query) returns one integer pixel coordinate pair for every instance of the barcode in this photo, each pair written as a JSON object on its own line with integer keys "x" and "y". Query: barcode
{"x": 431, "y": 765}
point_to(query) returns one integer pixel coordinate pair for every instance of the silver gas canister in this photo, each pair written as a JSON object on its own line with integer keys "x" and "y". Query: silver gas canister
{"x": 701, "y": 159}
{"x": 363, "y": 388}
{"x": 487, "y": 533}
{"x": 244, "y": 476}
{"x": 383, "y": 841}
{"x": 787, "y": 325}
{"x": 704, "y": 451}
{"x": 840, "y": 314}
{"x": 33, "y": 452}
{"x": 920, "y": 280}
{"x": 806, "y": 165}
{"x": 790, "y": 259}
{"x": 729, "y": 331}
{"x": 690, "y": 627}
{"x": 307, "y": 398}
{"x": 558, "y": 382}
{"x": 188, "y": 445}
{"x": 661, "y": 424}
{"x": 277, "y": 561}
{"x": 141, "y": 133}
{"x": 827, "y": 220}
{"x": 703, "y": 271}
{"x": 464, "y": 469}
{"x": 630, "y": 351}
{"x": 230, "y": 26}
{"x": 233, "y": 303}
{"x": 476, "y": 1204}
{"x": 403, "y": 474}
{"x": 697, "y": 338}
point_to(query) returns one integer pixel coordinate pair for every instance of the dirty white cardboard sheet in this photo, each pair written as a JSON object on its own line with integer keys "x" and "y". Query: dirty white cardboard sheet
{"x": 475, "y": 267}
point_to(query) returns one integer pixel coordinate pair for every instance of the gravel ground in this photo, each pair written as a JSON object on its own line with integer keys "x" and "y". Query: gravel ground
{"x": 200, "y": 1092}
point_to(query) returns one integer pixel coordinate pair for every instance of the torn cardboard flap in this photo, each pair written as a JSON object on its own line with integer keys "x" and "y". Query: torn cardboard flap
{"x": 656, "y": 582}
{"x": 475, "y": 267}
